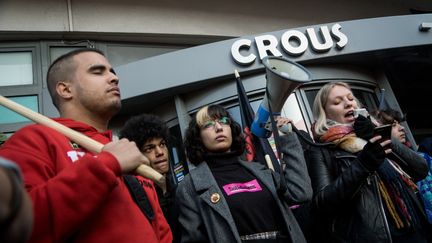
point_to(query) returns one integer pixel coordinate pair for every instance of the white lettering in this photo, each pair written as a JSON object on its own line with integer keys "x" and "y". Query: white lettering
{"x": 238, "y": 57}
{"x": 341, "y": 38}
{"x": 293, "y": 43}
{"x": 296, "y": 36}
{"x": 316, "y": 45}
{"x": 265, "y": 44}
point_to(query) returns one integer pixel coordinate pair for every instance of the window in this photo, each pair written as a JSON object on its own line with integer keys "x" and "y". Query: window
{"x": 291, "y": 109}
{"x": 9, "y": 116}
{"x": 20, "y": 82}
{"x": 16, "y": 68}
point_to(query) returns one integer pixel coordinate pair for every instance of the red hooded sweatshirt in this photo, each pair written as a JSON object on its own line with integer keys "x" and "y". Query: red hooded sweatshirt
{"x": 79, "y": 196}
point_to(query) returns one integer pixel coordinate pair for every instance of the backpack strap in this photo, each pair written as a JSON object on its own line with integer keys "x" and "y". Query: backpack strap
{"x": 139, "y": 196}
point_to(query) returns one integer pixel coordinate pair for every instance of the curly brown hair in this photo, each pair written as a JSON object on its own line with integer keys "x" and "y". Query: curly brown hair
{"x": 143, "y": 128}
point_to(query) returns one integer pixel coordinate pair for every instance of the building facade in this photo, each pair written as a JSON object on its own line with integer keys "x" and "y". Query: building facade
{"x": 173, "y": 57}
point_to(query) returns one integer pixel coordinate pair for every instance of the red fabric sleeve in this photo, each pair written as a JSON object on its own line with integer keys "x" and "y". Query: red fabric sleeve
{"x": 64, "y": 192}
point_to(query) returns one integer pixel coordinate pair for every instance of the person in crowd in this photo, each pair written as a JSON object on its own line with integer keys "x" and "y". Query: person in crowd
{"x": 225, "y": 199}
{"x": 395, "y": 118}
{"x": 16, "y": 213}
{"x": 405, "y": 154}
{"x": 79, "y": 196}
{"x": 359, "y": 194}
{"x": 151, "y": 136}
{"x": 402, "y": 150}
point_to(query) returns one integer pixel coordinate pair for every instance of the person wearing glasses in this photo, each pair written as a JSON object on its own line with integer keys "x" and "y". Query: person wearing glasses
{"x": 151, "y": 136}
{"x": 225, "y": 199}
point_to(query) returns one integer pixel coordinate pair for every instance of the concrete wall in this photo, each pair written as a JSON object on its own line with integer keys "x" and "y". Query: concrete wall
{"x": 188, "y": 17}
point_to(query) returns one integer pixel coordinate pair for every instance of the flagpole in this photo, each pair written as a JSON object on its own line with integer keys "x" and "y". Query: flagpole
{"x": 263, "y": 151}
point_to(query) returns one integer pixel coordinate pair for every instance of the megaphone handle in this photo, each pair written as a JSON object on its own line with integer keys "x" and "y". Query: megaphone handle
{"x": 275, "y": 133}
{"x": 282, "y": 164}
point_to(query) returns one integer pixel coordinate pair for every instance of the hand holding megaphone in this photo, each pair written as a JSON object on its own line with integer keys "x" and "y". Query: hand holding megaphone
{"x": 283, "y": 76}
{"x": 284, "y": 125}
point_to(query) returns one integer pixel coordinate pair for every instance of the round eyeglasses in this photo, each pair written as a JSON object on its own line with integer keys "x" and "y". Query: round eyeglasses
{"x": 210, "y": 124}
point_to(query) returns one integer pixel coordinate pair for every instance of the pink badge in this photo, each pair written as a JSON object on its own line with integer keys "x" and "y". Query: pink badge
{"x": 233, "y": 188}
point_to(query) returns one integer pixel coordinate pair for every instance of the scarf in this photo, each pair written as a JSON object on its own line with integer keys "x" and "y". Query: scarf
{"x": 392, "y": 183}
{"x": 343, "y": 136}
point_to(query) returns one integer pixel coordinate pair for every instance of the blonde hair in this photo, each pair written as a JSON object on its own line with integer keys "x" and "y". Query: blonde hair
{"x": 321, "y": 123}
{"x": 202, "y": 116}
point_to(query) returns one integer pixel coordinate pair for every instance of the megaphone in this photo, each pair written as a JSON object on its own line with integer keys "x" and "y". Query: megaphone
{"x": 283, "y": 76}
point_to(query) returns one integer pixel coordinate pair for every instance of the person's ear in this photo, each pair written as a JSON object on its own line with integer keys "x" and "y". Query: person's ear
{"x": 64, "y": 90}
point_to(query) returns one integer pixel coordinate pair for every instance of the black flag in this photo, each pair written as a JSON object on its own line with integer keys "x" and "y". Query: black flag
{"x": 257, "y": 148}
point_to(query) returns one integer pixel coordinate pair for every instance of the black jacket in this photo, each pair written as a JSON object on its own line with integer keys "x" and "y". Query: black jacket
{"x": 346, "y": 193}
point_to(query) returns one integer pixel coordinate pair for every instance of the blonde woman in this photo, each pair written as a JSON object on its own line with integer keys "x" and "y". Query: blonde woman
{"x": 358, "y": 194}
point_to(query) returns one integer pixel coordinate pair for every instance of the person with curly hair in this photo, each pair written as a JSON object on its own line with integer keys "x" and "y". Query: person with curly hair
{"x": 225, "y": 199}
{"x": 152, "y": 136}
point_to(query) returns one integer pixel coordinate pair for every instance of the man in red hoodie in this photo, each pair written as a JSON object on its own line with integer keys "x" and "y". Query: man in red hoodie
{"x": 79, "y": 196}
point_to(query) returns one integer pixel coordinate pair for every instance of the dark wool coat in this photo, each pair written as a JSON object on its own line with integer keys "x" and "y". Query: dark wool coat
{"x": 205, "y": 221}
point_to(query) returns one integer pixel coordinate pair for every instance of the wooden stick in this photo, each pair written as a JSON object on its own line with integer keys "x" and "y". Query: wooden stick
{"x": 86, "y": 142}
{"x": 269, "y": 162}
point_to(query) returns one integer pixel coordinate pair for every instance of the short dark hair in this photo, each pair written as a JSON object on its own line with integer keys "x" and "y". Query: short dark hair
{"x": 388, "y": 116}
{"x": 62, "y": 69}
{"x": 195, "y": 149}
{"x": 142, "y": 128}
